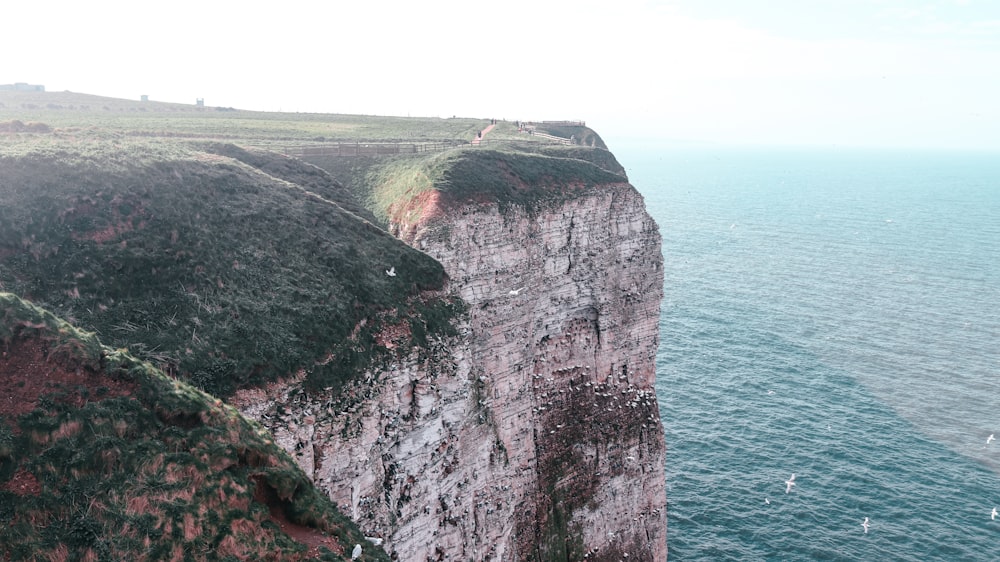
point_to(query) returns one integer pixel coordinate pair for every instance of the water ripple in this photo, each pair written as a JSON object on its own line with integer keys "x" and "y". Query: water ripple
{"x": 832, "y": 316}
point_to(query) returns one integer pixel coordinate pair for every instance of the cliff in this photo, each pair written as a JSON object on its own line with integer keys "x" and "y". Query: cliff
{"x": 490, "y": 399}
{"x": 534, "y": 434}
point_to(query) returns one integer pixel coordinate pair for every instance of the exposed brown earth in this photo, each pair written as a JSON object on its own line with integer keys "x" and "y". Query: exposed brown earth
{"x": 27, "y": 372}
{"x": 23, "y": 483}
{"x": 311, "y": 537}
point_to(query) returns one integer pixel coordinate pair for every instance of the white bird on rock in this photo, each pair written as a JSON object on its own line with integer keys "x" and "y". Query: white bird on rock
{"x": 790, "y": 483}
{"x": 356, "y": 553}
{"x": 515, "y": 292}
{"x": 391, "y": 272}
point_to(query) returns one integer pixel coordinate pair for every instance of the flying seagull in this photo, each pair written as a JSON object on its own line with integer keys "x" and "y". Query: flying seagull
{"x": 865, "y": 525}
{"x": 391, "y": 272}
{"x": 790, "y": 483}
{"x": 993, "y": 515}
{"x": 356, "y": 553}
{"x": 990, "y": 438}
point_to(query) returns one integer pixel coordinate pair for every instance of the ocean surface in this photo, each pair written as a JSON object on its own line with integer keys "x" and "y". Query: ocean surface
{"x": 832, "y": 314}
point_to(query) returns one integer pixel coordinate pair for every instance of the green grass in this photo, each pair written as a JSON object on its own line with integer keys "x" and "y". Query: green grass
{"x": 581, "y": 134}
{"x": 507, "y": 176}
{"x": 81, "y": 114}
{"x": 220, "y": 269}
{"x": 599, "y": 157}
{"x": 158, "y": 471}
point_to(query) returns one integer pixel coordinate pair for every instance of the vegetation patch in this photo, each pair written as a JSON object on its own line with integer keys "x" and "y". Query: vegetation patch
{"x": 116, "y": 461}
{"x": 83, "y": 114}
{"x": 509, "y": 177}
{"x": 599, "y": 157}
{"x": 579, "y": 134}
{"x": 228, "y": 267}
{"x": 17, "y": 126}
{"x": 293, "y": 170}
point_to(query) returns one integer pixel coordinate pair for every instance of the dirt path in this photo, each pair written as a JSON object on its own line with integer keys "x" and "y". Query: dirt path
{"x": 482, "y": 134}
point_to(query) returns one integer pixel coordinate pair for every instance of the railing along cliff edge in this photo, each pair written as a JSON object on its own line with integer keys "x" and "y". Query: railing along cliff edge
{"x": 357, "y": 148}
{"x": 382, "y": 149}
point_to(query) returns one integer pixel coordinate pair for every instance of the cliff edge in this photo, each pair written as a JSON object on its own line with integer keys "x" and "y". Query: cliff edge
{"x": 534, "y": 433}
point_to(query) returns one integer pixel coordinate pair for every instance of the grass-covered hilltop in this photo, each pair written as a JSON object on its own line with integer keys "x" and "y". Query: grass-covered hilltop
{"x": 214, "y": 249}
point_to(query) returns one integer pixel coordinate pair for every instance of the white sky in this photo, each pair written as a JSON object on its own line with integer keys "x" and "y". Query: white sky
{"x": 898, "y": 73}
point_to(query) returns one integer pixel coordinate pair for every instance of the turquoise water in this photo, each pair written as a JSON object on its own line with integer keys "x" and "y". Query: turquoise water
{"x": 835, "y": 315}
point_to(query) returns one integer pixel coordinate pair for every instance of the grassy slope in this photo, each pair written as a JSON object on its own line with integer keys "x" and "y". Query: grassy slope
{"x": 582, "y": 134}
{"x": 217, "y": 269}
{"x": 109, "y": 459}
{"x": 509, "y": 176}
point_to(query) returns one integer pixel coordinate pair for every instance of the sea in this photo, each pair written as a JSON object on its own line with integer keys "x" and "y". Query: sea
{"x": 832, "y": 314}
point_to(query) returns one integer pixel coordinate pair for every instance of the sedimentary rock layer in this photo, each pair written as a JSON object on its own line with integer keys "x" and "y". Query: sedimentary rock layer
{"x": 535, "y": 433}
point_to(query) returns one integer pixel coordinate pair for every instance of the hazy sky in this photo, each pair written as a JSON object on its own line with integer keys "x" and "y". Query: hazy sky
{"x": 820, "y": 72}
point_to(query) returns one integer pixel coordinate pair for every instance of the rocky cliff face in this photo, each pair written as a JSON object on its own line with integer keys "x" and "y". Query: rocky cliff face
{"x": 534, "y": 434}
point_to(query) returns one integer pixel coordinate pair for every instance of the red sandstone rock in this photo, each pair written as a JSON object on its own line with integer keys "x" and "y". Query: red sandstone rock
{"x": 538, "y": 427}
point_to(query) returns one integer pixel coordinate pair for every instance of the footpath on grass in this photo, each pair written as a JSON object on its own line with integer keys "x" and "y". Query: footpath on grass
{"x": 481, "y": 134}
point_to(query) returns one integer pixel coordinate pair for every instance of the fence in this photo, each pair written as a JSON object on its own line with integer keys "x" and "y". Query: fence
{"x": 358, "y": 148}
{"x": 383, "y": 149}
{"x": 562, "y": 123}
{"x": 552, "y": 138}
